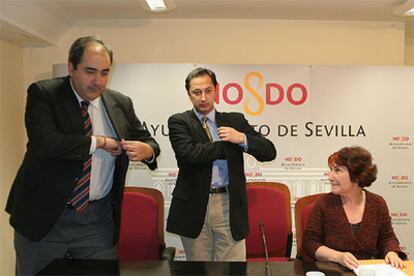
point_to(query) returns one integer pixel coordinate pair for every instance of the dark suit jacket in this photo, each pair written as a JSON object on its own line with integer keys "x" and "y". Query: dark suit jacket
{"x": 195, "y": 156}
{"x": 56, "y": 150}
{"x": 329, "y": 226}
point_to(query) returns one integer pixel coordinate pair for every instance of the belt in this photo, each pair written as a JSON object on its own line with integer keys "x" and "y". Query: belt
{"x": 68, "y": 205}
{"x": 219, "y": 190}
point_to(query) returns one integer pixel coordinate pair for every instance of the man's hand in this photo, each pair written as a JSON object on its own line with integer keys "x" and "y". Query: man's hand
{"x": 108, "y": 144}
{"x": 229, "y": 134}
{"x": 136, "y": 150}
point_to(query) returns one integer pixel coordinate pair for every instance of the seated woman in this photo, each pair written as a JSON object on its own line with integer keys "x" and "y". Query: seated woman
{"x": 351, "y": 223}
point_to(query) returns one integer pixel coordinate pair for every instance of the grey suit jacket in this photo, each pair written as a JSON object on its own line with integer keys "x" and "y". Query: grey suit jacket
{"x": 195, "y": 155}
{"x": 56, "y": 150}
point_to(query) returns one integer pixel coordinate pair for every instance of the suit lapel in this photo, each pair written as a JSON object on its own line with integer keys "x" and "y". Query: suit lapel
{"x": 195, "y": 124}
{"x": 70, "y": 105}
{"x": 115, "y": 114}
{"x": 220, "y": 119}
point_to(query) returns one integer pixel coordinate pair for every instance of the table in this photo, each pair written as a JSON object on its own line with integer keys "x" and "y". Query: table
{"x": 409, "y": 270}
{"x": 291, "y": 268}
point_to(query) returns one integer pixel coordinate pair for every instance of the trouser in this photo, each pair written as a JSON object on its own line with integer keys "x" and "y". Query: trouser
{"x": 215, "y": 242}
{"x": 88, "y": 234}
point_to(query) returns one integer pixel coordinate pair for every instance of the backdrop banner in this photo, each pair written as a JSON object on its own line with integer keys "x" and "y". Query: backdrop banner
{"x": 308, "y": 112}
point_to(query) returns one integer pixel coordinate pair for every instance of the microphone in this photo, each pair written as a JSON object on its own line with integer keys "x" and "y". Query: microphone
{"x": 268, "y": 272}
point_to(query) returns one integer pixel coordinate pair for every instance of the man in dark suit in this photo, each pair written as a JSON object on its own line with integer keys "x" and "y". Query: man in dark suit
{"x": 209, "y": 205}
{"x": 66, "y": 197}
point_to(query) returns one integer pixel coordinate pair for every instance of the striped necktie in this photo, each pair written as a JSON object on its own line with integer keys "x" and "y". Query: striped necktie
{"x": 80, "y": 194}
{"x": 206, "y": 129}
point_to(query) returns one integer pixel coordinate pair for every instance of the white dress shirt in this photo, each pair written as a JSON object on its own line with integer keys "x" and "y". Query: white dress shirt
{"x": 103, "y": 163}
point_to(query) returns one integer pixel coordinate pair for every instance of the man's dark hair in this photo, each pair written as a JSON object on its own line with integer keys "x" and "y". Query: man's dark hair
{"x": 78, "y": 47}
{"x": 198, "y": 72}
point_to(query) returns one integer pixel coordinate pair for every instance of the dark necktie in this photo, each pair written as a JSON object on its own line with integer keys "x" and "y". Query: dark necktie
{"x": 206, "y": 129}
{"x": 80, "y": 194}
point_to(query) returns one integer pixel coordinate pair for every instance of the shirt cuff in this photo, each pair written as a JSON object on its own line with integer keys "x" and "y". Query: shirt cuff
{"x": 151, "y": 160}
{"x": 245, "y": 145}
{"x": 92, "y": 149}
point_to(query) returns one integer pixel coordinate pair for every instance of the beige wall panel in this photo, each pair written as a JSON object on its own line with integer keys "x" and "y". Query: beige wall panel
{"x": 233, "y": 41}
{"x": 12, "y": 138}
{"x": 188, "y": 41}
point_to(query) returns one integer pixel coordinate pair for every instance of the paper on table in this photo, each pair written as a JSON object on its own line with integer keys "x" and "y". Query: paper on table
{"x": 381, "y": 270}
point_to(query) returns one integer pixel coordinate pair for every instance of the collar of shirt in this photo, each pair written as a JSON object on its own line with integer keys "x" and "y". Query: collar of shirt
{"x": 96, "y": 103}
{"x": 211, "y": 116}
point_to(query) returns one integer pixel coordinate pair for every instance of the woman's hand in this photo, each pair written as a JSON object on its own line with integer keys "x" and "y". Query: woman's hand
{"x": 394, "y": 260}
{"x": 348, "y": 260}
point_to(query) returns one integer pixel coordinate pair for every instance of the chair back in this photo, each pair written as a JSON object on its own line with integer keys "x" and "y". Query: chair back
{"x": 142, "y": 224}
{"x": 303, "y": 209}
{"x": 269, "y": 202}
